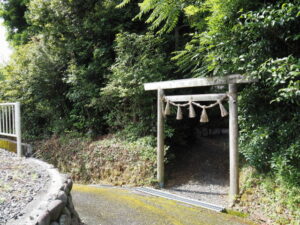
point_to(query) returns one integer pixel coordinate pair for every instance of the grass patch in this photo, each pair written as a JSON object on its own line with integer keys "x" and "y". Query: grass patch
{"x": 269, "y": 198}
{"x": 237, "y": 213}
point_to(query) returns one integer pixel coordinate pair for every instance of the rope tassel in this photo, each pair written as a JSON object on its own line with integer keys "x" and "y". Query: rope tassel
{"x": 179, "y": 113}
{"x": 167, "y": 109}
{"x": 222, "y": 109}
{"x": 204, "y": 117}
{"x": 192, "y": 113}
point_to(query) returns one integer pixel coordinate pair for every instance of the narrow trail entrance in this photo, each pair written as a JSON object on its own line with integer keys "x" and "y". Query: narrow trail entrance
{"x": 201, "y": 171}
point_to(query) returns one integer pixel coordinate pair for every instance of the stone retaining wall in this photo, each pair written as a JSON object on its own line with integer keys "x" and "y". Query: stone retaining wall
{"x": 60, "y": 210}
{"x": 53, "y": 206}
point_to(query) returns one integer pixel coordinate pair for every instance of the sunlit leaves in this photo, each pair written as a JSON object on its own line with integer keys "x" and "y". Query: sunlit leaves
{"x": 140, "y": 59}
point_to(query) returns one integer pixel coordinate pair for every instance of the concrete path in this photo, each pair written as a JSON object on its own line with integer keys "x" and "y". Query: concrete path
{"x": 120, "y": 206}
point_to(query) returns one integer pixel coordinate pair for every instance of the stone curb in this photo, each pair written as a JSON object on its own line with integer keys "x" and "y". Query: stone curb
{"x": 53, "y": 205}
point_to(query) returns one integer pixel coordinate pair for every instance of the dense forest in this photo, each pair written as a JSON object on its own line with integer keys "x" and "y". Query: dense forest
{"x": 79, "y": 66}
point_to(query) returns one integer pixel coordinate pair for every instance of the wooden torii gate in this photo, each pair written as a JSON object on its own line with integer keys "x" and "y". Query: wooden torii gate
{"x": 231, "y": 81}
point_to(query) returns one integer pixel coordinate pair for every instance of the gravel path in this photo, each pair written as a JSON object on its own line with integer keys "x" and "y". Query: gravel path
{"x": 20, "y": 182}
{"x": 202, "y": 172}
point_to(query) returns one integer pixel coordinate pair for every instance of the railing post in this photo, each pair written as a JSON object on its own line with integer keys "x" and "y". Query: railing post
{"x": 233, "y": 144}
{"x": 160, "y": 138}
{"x": 18, "y": 128}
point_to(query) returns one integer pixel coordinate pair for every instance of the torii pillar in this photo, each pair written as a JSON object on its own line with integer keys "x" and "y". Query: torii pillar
{"x": 160, "y": 139}
{"x": 233, "y": 145}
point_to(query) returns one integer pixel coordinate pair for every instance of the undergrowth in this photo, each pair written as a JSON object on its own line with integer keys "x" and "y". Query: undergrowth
{"x": 108, "y": 160}
{"x": 269, "y": 198}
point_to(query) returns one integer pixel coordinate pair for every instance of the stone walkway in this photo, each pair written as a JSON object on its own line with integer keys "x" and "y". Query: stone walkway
{"x": 120, "y": 206}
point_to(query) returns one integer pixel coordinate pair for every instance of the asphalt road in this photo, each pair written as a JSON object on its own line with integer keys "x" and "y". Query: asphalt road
{"x": 119, "y": 206}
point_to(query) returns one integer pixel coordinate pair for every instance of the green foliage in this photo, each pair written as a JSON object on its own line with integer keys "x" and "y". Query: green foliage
{"x": 1, "y": 73}
{"x": 84, "y": 33}
{"x": 273, "y": 198}
{"x": 283, "y": 75}
{"x": 268, "y": 137}
{"x": 266, "y": 122}
{"x": 212, "y": 47}
{"x": 32, "y": 78}
{"x": 161, "y": 11}
{"x": 267, "y": 132}
{"x": 139, "y": 59}
{"x": 286, "y": 164}
{"x": 166, "y": 12}
{"x": 58, "y": 75}
{"x": 238, "y": 39}
{"x": 13, "y": 13}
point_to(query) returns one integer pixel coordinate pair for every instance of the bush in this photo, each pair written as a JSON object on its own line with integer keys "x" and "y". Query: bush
{"x": 266, "y": 195}
{"x": 270, "y": 118}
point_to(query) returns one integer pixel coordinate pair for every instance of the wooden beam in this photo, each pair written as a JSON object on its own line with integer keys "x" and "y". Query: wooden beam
{"x": 160, "y": 138}
{"x": 233, "y": 145}
{"x": 199, "y": 82}
{"x": 199, "y": 98}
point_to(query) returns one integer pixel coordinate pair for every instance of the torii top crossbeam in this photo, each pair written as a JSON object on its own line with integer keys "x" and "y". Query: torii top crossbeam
{"x": 198, "y": 82}
{"x": 231, "y": 81}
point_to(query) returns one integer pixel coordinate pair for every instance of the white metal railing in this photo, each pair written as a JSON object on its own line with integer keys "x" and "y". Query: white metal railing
{"x": 10, "y": 122}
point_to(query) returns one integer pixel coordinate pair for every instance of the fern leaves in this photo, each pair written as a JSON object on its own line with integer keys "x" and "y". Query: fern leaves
{"x": 163, "y": 14}
{"x": 123, "y": 3}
